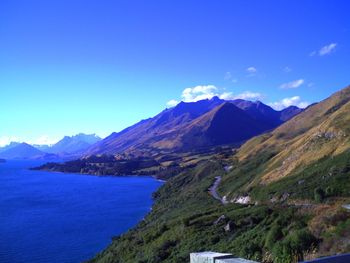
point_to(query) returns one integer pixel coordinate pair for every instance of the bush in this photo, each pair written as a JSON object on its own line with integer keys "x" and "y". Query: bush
{"x": 292, "y": 248}
{"x": 319, "y": 195}
{"x": 282, "y": 253}
{"x": 329, "y": 191}
{"x": 273, "y": 235}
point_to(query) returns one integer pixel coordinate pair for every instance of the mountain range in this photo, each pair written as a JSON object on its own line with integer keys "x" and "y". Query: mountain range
{"x": 68, "y": 147}
{"x": 193, "y": 125}
{"x": 71, "y": 144}
{"x": 25, "y": 151}
{"x": 187, "y": 126}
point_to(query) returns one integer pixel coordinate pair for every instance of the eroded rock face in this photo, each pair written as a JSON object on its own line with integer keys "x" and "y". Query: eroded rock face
{"x": 242, "y": 200}
{"x": 228, "y": 227}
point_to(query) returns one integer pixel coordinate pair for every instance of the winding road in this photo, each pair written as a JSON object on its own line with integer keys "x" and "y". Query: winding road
{"x": 213, "y": 190}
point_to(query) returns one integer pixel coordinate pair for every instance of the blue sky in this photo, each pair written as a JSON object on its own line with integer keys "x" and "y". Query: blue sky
{"x": 99, "y": 66}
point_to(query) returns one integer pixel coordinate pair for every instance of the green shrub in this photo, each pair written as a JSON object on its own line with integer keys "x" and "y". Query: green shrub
{"x": 272, "y": 236}
{"x": 282, "y": 253}
{"x": 319, "y": 195}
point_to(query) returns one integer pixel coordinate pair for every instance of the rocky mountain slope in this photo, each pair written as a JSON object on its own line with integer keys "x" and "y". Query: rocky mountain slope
{"x": 196, "y": 124}
{"x": 321, "y": 131}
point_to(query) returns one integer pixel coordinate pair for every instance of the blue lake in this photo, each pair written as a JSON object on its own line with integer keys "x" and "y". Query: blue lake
{"x": 56, "y": 217}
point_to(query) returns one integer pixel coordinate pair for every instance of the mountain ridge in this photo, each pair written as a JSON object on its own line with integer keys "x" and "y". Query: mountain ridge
{"x": 166, "y": 130}
{"x": 67, "y": 147}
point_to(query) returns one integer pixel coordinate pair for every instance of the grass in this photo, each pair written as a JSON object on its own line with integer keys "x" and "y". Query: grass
{"x": 182, "y": 221}
{"x": 331, "y": 175}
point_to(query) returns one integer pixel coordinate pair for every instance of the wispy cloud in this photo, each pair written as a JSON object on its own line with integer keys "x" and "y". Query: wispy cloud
{"x": 172, "y": 103}
{"x": 44, "y": 140}
{"x": 229, "y": 77}
{"x": 252, "y": 71}
{"x": 325, "y": 50}
{"x": 287, "y": 69}
{"x": 247, "y": 95}
{"x": 5, "y": 140}
{"x": 286, "y": 102}
{"x": 293, "y": 84}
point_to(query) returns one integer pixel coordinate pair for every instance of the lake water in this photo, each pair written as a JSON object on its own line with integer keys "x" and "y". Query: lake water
{"x": 56, "y": 217}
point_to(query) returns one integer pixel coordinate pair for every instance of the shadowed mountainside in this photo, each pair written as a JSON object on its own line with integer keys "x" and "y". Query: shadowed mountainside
{"x": 196, "y": 124}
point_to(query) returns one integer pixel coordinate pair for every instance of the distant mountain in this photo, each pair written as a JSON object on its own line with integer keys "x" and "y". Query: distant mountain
{"x": 24, "y": 151}
{"x": 68, "y": 147}
{"x": 42, "y": 147}
{"x": 71, "y": 144}
{"x": 288, "y": 113}
{"x": 195, "y": 124}
{"x": 11, "y": 145}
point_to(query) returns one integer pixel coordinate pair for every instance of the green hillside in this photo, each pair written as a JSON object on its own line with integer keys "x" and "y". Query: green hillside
{"x": 295, "y": 179}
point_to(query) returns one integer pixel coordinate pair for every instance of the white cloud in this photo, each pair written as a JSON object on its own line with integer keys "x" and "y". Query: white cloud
{"x": 252, "y": 70}
{"x": 197, "y": 93}
{"x": 172, "y": 103}
{"x": 247, "y": 95}
{"x": 203, "y": 92}
{"x": 5, "y": 140}
{"x": 292, "y": 85}
{"x": 325, "y": 50}
{"x": 286, "y": 102}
